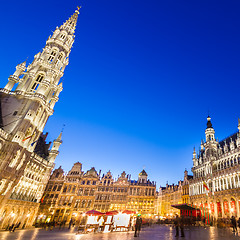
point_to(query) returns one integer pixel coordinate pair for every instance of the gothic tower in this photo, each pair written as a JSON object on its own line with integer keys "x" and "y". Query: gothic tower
{"x": 26, "y": 103}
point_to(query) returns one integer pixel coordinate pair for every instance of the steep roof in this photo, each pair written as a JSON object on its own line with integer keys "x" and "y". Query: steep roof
{"x": 143, "y": 173}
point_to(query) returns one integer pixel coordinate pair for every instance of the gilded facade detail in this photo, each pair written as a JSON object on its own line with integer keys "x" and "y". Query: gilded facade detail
{"x": 81, "y": 192}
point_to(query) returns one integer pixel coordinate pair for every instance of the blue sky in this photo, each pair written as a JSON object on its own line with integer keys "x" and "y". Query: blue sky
{"x": 141, "y": 79}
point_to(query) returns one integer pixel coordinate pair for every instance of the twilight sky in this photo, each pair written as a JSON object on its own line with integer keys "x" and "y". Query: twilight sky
{"x": 141, "y": 79}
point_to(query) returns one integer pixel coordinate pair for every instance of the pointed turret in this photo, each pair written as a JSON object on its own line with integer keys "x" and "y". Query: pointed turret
{"x": 209, "y": 132}
{"x": 194, "y": 153}
{"x": 202, "y": 145}
{"x": 53, "y": 153}
{"x": 194, "y": 157}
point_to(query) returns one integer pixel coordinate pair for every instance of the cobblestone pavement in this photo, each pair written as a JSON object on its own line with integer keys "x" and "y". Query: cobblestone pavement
{"x": 149, "y": 233}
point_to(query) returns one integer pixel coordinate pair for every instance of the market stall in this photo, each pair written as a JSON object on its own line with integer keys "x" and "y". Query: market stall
{"x": 109, "y": 220}
{"x": 95, "y": 221}
{"x": 122, "y": 221}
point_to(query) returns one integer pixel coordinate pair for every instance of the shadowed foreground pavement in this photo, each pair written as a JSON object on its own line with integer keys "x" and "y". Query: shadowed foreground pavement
{"x": 161, "y": 232}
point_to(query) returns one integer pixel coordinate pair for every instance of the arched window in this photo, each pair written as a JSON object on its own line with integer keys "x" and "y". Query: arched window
{"x": 52, "y": 55}
{"x": 59, "y": 58}
{"x": 38, "y": 80}
{"x": 62, "y": 36}
{"x": 21, "y": 163}
{"x": 15, "y": 159}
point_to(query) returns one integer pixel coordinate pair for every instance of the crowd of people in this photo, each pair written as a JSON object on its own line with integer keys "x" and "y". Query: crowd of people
{"x": 53, "y": 224}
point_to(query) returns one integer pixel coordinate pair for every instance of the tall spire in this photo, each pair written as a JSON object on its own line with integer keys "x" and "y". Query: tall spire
{"x": 41, "y": 80}
{"x": 70, "y": 24}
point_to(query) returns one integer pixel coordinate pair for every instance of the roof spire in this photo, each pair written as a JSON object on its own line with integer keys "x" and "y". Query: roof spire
{"x": 70, "y": 24}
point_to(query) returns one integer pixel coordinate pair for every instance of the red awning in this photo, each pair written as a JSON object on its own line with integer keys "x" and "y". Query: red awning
{"x": 115, "y": 212}
{"x": 94, "y": 213}
{"x": 185, "y": 206}
{"x": 128, "y": 212}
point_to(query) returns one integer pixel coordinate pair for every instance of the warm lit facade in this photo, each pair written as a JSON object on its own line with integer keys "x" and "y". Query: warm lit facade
{"x": 26, "y": 103}
{"x": 81, "y": 192}
{"x": 218, "y": 166}
{"x": 142, "y": 195}
{"x": 185, "y": 187}
{"x": 168, "y": 196}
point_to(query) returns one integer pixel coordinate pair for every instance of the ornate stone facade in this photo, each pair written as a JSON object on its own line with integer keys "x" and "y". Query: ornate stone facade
{"x": 215, "y": 187}
{"x": 81, "y": 192}
{"x": 168, "y": 196}
{"x": 26, "y": 102}
{"x": 185, "y": 187}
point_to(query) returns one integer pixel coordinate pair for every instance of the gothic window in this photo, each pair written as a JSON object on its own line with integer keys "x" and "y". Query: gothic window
{"x": 38, "y": 80}
{"x": 59, "y": 187}
{"x": 63, "y": 36}
{"x": 80, "y": 192}
{"x": 2, "y": 184}
{"x": 89, "y": 203}
{"x": 77, "y": 203}
{"x": 21, "y": 163}
{"x": 52, "y": 55}
{"x": 83, "y": 203}
{"x": 65, "y": 189}
{"x": 15, "y": 159}
{"x": 69, "y": 41}
{"x": 59, "y": 58}
{"x": 69, "y": 188}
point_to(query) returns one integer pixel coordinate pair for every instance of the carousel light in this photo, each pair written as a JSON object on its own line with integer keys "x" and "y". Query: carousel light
{"x": 84, "y": 214}
{"x": 28, "y": 215}
{"x": 12, "y": 214}
{"x": 231, "y": 210}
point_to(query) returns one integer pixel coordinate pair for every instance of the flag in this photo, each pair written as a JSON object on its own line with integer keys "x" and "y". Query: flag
{"x": 206, "y": 186}
{"x": 33, "y": 143}
{"x": 28, "y": 137}
{"x": 42, "y": 198}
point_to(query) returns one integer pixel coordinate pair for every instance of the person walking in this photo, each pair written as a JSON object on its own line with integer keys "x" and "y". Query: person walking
{"x": 238, "y": 222}
{"x": 182, "y": 226}
{"x": 234, "y": 224}
{"x": 176, "y": 223}
{"x": 70, "y": 224}
{"x": 138, "y": 226}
